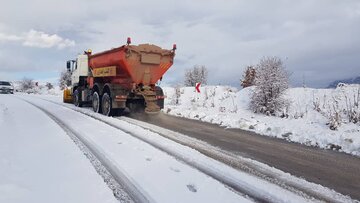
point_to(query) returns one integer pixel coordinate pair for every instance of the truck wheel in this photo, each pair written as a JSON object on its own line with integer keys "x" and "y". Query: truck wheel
{"x": 106, "y": 104}
{"x": 77, "y": 100}
{"x": 96, "y": 102}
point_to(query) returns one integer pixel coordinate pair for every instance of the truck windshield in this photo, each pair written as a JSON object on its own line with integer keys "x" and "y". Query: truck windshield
{"x": 5, "y": 83}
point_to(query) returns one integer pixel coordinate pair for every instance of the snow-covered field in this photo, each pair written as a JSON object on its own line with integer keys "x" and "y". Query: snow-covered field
{"x": 229, "y": 107}
{"x": 40, "y": 163}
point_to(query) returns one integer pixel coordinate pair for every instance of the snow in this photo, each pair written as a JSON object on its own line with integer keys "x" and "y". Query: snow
{"x": 150, "y": 169}
{"x": 157, "y": 175}
{"x": 38, "y": 161}
{"x": 229, "y": 107}
{"x": 268, "y": 171}
{"x": 41, "y": 89}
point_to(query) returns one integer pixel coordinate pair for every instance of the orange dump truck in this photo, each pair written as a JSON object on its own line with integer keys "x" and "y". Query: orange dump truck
{"x": 123, "y": 77}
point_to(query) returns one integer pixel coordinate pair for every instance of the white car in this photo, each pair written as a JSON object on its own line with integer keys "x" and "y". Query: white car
{"x": 6, "y": 87}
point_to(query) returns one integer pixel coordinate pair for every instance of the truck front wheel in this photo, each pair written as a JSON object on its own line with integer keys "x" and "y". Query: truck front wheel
{"x": 106, "y": 104}
{"x": 77, "y": 98}
{"x": 96, "y": 102}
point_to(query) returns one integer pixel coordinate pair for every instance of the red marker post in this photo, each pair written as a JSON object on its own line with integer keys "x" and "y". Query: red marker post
{"x": 197, "y": 87}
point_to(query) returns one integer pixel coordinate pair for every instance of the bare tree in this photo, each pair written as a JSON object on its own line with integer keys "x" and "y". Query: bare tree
{"x": 176, "y": 98}
{"x": 49, "y": 85}
{"x": 352, "y": 110}
{"x": 342, "y": 106}
{"x": 65, "y": 79}
{"x": 26, "y": 84}
{"x": 248, "y": 77}
{"x": 334, "y": 114}
{"x": 271, "y": 81}
{"x": 195, "y": 75}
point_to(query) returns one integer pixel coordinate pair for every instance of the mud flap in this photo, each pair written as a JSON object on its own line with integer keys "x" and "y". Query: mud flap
{"x": 67, "y": 96}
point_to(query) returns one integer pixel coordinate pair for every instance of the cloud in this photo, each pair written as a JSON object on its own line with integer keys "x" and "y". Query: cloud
{"x": 42, "y": 40}
{"x": 38, "y": 39}
{"x": 7, "y": 38}
{"x": 318, "y": 40}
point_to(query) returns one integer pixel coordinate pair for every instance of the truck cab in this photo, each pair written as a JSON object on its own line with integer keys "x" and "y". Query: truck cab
{"x": 79, "y": 68}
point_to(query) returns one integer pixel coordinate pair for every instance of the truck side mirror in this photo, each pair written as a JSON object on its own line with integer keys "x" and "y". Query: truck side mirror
{"x": 68, "y": 66}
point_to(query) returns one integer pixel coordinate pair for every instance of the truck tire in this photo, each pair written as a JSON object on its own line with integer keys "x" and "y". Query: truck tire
{"x": 106, "y": 105}
{"x": 77, "y": 98}
{"x": 96, "y": 102}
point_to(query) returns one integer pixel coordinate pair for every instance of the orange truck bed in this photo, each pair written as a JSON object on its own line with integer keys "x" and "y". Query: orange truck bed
{"x": 141, "y": 64}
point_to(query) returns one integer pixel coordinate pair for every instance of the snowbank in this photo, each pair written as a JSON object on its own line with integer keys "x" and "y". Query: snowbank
{"x": 41, "y": 89}
{"x": 228, "y": 107}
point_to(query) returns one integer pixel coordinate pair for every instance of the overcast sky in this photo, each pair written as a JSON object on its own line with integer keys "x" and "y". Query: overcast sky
{"x": 318, "y": 40}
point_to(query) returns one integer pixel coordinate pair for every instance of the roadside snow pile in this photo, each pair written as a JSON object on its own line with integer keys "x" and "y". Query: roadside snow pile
{"x": 43, "y": 90}
{"x": 310, "y": 115}
{"x": 40, "y": 88}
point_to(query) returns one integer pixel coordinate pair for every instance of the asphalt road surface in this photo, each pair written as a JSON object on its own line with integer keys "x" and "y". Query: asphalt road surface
{"x": 332, "y": 169}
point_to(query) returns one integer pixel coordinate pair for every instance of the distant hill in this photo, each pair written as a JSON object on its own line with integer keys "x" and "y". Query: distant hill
{"x": 347, "y": 81}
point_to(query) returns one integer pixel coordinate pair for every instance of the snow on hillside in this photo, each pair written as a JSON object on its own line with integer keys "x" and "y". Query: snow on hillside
{"x": 228, "y": 107}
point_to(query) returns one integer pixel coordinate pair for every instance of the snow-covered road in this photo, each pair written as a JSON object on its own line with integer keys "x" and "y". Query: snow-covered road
{"x": 138, "y": 156}
{"x": 158, "y": 176}
{"x": 38, "y": 161}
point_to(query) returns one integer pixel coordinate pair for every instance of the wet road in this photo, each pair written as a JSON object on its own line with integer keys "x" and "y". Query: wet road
{"x": 332, "y": 169}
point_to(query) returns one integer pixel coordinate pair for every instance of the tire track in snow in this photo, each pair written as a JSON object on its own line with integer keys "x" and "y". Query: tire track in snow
{"x": 236, "y": 186}
{"x": 122, "y": 188}
{"x": 130, "y": 189}
{"x": 296, "y": 185}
